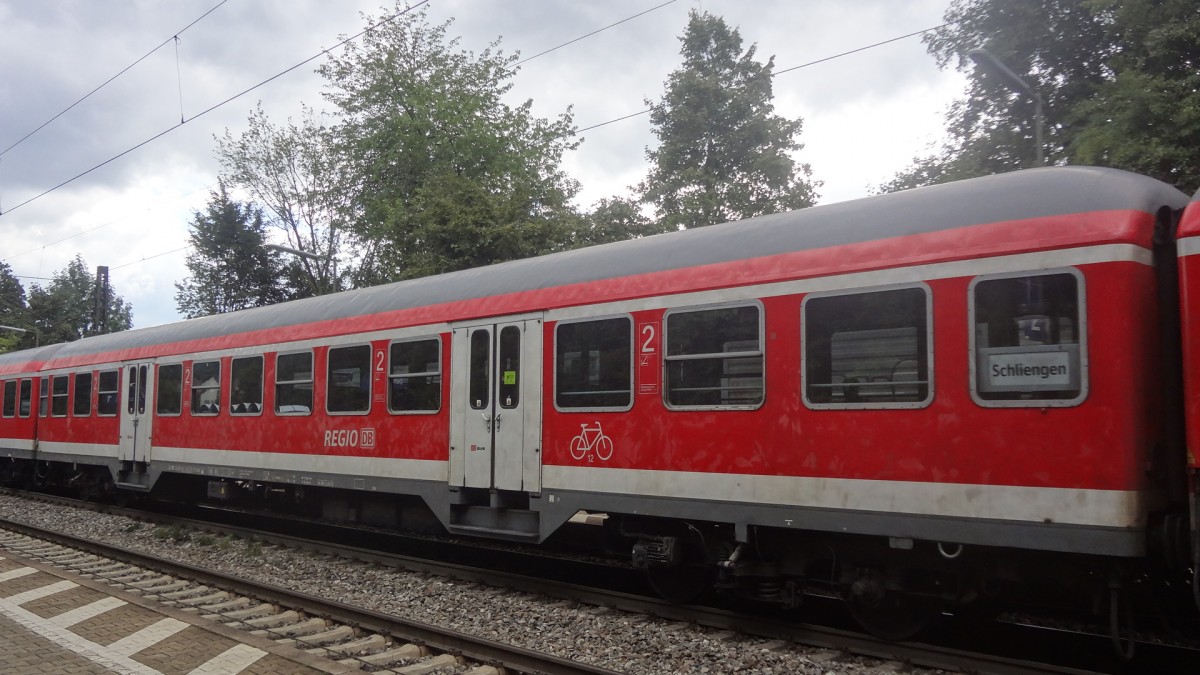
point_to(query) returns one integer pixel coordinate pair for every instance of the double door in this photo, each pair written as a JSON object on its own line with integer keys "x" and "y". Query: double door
{"x": 137, "y": 403}
{"x": 496, "y": 402}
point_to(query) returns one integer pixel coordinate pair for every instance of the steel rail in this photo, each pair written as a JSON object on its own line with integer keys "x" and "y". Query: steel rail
{"x": 917, "y": 654}
{"x": 454, "y": 642}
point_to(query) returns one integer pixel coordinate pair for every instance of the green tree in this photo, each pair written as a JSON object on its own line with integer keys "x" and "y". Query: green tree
{"x": 723, "y": 154}
{"x": 293, "y": 171}
{"x": 13, "y": 312}
{"x": 445, "y": 174}
{"x": 1119, "y": 81}
{"x": 63, "y": 310}
{"x": 229, "y": 268}
{"x": 613, "y": 219}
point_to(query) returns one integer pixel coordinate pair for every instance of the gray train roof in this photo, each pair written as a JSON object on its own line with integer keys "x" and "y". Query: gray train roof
{"x": 1022, "y": 194}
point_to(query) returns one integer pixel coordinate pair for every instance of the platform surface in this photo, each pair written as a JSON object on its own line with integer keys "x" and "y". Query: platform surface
{"x": 57, "y": 623}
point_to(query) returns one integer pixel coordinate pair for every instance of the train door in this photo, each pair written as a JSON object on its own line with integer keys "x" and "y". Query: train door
{"x": 137, "y": 401}
{"x": 495, "y": 405}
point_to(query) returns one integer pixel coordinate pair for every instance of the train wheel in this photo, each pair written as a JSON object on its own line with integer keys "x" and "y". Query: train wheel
{"x": 893, "y": 617}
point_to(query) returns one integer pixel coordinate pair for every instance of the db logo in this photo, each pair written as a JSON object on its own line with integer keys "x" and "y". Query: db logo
{"x": 366, "y": 438}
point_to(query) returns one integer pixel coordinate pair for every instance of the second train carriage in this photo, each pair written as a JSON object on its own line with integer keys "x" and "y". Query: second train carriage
{"x": 979, "y": 366}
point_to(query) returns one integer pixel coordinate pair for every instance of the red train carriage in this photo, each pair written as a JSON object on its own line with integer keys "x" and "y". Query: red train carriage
{"x": 907, "y": 397}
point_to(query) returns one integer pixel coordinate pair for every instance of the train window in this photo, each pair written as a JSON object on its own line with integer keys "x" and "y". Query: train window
{"x": 107, "y": 392}
{"x": 10, "y": 398}
{"x": 44, "y": 397}
{"x": 169, "y": 390}
{"x": 348, "y": 387}
{"x": 593, "y": 367}
{"x": 246, "y": 386}
{"x": 82, "y": 406}
{"x": 479, "y": 378}
{"x": 714, "y": 357}
{"x": 867, "y": 350}
{"x": 206, "y": 387}
{"x": 508, "y": 357}
{"x": 26, "y": 405}
{"x": 294, "y": 383}
{"x": 415, "y": 376}
{"x": 59, "y": 395}
{"x": 1028, "y": 339}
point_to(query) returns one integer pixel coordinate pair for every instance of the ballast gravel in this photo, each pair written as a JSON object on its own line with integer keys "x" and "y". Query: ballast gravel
{"x": 612, "y": 639}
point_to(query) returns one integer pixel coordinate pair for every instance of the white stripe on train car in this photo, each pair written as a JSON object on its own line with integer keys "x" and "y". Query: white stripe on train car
{"x": 1102, "y": 508}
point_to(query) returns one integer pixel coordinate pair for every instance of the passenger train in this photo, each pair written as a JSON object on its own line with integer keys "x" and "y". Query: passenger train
{"x": 912, "y": 401}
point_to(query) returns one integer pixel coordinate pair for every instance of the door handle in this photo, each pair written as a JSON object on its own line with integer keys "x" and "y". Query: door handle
{"x": 497, "y": 421}
{"x": 487, "y": 421}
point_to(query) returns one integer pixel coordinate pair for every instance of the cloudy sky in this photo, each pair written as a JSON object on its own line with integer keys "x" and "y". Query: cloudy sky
{"x": 866, "y": 114}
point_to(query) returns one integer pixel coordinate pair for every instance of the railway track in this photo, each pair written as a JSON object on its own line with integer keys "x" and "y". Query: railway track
{"x": 824, "y": 641}
{"x": 349, "y": 635}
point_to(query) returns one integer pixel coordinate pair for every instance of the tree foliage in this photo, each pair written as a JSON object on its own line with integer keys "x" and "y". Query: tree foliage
{"x": 723, "y": 154}
{"x": 13, "y": 312}
{"x": 63, "y": 310}
{"x": 292, "y": 170}
{"x": 613, "y": 219}
{"x": 229, "y": 268}
{"x": 445, "y": 174}
{"x": 1120, "y": 80}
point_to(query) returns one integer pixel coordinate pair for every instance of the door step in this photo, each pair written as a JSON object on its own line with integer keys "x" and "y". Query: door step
{"x": 496, "y": 523}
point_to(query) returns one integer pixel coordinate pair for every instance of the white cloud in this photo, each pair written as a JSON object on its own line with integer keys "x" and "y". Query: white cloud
{"x": 866, "y": 115}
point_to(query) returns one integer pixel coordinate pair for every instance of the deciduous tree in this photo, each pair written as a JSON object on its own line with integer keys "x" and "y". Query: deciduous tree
{"x": 723, "y": 153}
{"x": 63, "y": 310}
{"x": 1120, "y": 81}
{"x": 446, "y": 174}
{"x": 229, "y": 268}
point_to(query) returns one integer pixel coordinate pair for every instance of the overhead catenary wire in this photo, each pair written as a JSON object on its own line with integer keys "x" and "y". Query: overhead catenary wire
{"x": 777, "y": 73}
{"x": 377, "y": 25}
{"x": 211, "y": 108}
{"x": 83, "y": 98}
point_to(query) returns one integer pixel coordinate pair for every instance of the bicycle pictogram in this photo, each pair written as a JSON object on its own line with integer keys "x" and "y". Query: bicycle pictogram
{"x": 591, "y": 439}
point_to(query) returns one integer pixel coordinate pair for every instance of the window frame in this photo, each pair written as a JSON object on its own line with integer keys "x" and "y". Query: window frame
{"x": 262, "y": 376}
{"x": 115, "y": 391}
{"x": 193, "y": 387}
{"x": 667, "y": 359}
{"x": 158, "y": 388}
{"x": 43, "y": 397}
{"x": 4, "y": 407}
{"x": 64, "y": 398}
{"x": 312, "y": 380}
{"x": 1084, "y": 364}
{"x": 632, "y": 369}
{"x": 440, "y": 374}
{"x": 931, "y": 377}
{"x": 25, "y": 398}
{"x": 86, "y": 393}
{"x": 329, "y": 379}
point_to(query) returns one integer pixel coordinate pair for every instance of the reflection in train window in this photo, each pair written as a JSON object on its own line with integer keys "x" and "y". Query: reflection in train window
{"x": 867, "y": 350}
{"x": 294, "y": 383}
{"x": 26, "y": 405}
{"x": 83, "y": 395}
{"x": 59, "y": 392}
{"x": 246, "y": 385}
{"x": 169, "y": 393}
{"x": 593, "y": 364}
{"x": 714, "y": 357}
{"x": 415, "y": 376}
{"x": 10, "y": 398}
{"x": 108, "y": 393}
{"x": 348, "y": 387}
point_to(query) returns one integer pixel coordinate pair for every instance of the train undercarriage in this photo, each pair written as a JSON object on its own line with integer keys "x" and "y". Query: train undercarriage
{"x": 893, "y": 587}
